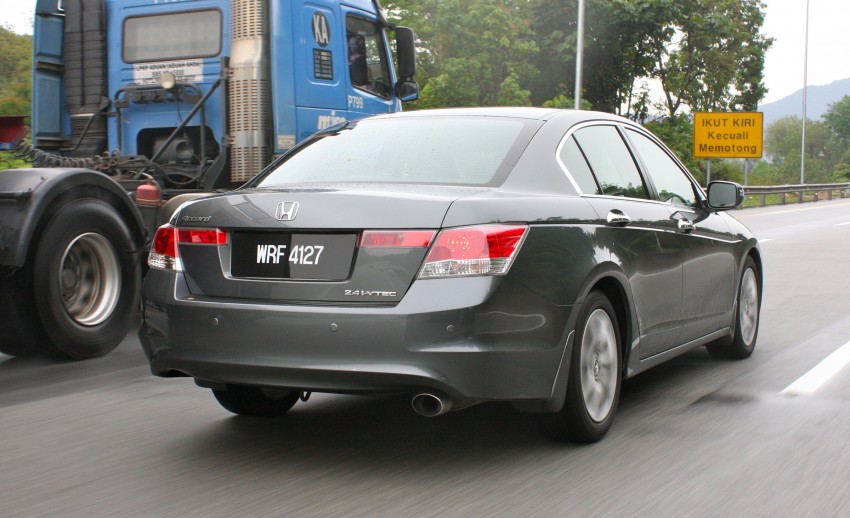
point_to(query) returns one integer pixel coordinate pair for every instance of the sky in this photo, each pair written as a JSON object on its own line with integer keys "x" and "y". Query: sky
{"x": 785, "y": 21}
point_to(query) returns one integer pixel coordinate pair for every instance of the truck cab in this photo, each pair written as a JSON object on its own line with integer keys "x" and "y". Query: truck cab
{"x": 260, "y": 75}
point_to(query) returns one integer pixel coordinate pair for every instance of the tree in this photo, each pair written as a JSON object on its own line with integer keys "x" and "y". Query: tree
{"x": 837, "y": 118}
{"x": 472, "y": 52}
{"x": 615, "y": 50}
{"x": 710, "y": 54}
{"x": 782, "y": 142}
{"x": 837, "y": 121}
{"x": 678, "y": 134}
{"x": 15, "y": 73}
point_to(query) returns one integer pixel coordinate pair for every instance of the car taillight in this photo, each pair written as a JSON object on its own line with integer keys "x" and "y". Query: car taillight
{"x": 396, "y": 238}
{"x": 480, "y": 250}
{"x": 202, "y": 236}
{"x": 164, "y": 253}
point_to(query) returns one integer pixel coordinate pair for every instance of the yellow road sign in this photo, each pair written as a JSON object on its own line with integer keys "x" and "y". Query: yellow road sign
{"x": 728, "y": 134}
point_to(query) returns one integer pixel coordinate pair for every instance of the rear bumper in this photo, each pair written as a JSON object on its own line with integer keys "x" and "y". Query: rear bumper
{"x": 479, "y": 338}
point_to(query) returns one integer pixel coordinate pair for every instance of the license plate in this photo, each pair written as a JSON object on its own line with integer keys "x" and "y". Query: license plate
{"x": 292, "y": 256}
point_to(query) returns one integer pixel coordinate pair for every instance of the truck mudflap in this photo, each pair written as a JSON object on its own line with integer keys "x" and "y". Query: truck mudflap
{"x": 70, "y": 269}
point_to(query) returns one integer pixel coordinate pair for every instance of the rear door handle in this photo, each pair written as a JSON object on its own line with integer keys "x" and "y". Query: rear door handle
{"x": 618, "y": 218}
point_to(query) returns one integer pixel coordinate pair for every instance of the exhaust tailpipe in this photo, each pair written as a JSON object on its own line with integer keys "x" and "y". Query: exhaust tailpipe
{"x": 430, "y": 405}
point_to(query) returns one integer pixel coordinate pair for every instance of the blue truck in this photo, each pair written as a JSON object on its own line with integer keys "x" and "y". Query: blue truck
{"x": 141, "y": 105}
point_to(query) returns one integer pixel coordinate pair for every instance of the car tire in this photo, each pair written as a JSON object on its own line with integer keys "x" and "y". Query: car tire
{"x": 86, "y": 279}
{"x": 747, "y": 309}
{"x": 254, "y": 401}
{"x": 595, "y": 376}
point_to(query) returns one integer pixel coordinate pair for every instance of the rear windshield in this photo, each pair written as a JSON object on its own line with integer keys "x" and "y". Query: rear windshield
{"x": 451, "y": 150}
{"x": 161, "y": 37}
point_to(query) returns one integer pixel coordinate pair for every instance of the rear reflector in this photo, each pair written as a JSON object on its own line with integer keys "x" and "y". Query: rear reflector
{"x": 202, "y": 236}
{"x": 396, "y": 238}
{"x": 480, "y": 250}
{"x": 164, "y": 253}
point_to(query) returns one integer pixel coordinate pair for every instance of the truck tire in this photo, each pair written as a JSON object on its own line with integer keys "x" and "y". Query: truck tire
{"x": 86, "y": 279}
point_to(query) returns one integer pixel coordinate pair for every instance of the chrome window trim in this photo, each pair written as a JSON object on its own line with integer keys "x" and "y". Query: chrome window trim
{"x": 700, "y": 193}
{"x": 622, "y": 128}
{"x": 563, "y": 143}
{"x": 609, "y": 197}
{"x": 619, "y": 126}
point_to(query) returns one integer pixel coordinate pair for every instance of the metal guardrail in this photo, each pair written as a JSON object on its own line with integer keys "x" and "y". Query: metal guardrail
{"x": 799, "y": 191}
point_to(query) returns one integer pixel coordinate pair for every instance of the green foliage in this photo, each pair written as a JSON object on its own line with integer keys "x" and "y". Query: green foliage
{"x": 472, "y": 52}
{"x": 837, "y": 118}
{"x": 708, "y": 54}
{"x": 15, "y": 73}
{"x": 837, "y": 121}
{"x": 615, "y": 53}
{"x": 827, "y": 150}
{"x": 678, "y": 134}
{"x": 783, "y": 142}
{"x": 562, "y": 102}
{"x": 726, "y": 170}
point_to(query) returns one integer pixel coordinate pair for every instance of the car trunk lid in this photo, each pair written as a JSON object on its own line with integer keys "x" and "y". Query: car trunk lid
{"x": 305, "y": 246}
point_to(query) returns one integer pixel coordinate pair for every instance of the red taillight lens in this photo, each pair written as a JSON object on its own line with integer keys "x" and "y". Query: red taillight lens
{"x": 164, "y": 252}
{"x": 165, "y": 241}
{"x": 396, "y": 238}
{"x": 202, "y": 236}
{"x": 480, "y": 250}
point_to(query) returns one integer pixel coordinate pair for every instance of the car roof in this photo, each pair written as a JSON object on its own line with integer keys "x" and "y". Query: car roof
{"x": 518, "y": 112}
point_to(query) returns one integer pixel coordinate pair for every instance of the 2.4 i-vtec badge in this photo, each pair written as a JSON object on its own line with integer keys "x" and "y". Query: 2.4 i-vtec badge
{"x": 369, "y": 293}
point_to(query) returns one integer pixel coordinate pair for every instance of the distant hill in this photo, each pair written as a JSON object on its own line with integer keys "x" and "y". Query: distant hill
{"x": 818, "y": 100}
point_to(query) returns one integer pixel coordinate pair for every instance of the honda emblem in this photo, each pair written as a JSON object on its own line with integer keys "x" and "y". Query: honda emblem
{"x": 286, "y": 211}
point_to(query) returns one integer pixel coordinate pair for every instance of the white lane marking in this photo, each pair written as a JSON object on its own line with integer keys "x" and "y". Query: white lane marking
{"x": 820, "y": 374}
{"x": 760, "y": 214}
{"x": 765, "y": 240}
{"x": 842, "y": 224}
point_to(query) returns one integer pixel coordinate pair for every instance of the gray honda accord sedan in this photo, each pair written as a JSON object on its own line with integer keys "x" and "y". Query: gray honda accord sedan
{"x": 527, "y": 255}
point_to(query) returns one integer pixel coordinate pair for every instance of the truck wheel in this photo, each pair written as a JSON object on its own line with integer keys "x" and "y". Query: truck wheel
{"x": 86, "y": 279}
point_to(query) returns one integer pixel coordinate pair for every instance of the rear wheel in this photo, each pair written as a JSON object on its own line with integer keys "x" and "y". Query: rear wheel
{"x": 746, "y": 317}
{"x": 86, "y": 279}
{"x": 593, "y": 389}
{"x": 256, "y": 402}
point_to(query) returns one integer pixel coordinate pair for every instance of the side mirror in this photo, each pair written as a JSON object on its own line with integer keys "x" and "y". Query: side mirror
{"x": 405, "y": 44}
{"x": 407, "y": 91}
{"x": 725, "y": 195}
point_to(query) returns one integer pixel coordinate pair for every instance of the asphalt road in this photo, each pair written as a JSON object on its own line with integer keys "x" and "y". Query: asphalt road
{"x": 694, "y": 437}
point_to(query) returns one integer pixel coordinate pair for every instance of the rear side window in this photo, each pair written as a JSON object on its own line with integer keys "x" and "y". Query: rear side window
{"x": 573, "y": 159}
{"x": 462, "y": 151}
{"x": 161, "y": 37}
{"x": 610, "y": 161}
